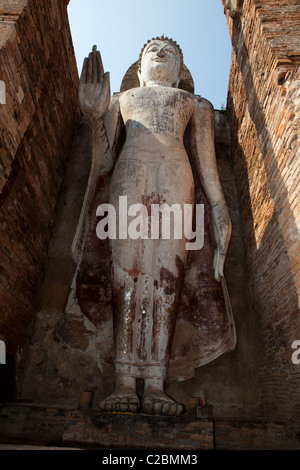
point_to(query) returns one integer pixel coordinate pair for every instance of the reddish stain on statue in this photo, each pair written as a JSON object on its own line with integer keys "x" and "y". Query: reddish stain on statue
{"x": 201, "y": 304}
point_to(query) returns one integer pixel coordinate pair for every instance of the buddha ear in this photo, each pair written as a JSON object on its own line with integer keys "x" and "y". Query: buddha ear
{"x": 140, "y": 78}
{"x": 176, "y": 84}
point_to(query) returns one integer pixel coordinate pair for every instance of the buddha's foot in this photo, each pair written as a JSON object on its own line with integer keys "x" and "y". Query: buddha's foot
{"x": 156, "y": 402}
{"x": 122, "y": 400}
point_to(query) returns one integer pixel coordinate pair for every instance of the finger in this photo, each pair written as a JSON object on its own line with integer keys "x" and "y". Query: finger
{"x": 216, "y": 265}
{"x": 219, "y": 268}
{"x": 221, "y": 265}
{"x": 100, "y": 67}
{"x": 217, "y": 275}
{"x": 216, "y": 259}
{"x": 84, "y": 71}
{"x": 94, "y": 64}
{"x": 106, "y": 84}
{"x": 90, "y": 69}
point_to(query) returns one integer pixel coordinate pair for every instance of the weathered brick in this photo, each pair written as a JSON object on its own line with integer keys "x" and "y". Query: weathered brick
{"x": 37, "y": 126}
{"x": 263, "y": 108}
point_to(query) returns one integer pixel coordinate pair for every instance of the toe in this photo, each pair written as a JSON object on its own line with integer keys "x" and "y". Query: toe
{"x": 173, "y": 409}
{"x": 123, "y": 406}
{"x": 147, "y": 405}
{"x": 157, "y": 406}
{"x": 107, "y": 406}
{"x": 133, "y": 405}
{"x": 179, "y": 410}
{"x": 165, "y": 409}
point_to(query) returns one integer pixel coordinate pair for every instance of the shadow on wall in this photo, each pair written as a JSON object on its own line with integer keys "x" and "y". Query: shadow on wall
{"x": 273, "y": 290}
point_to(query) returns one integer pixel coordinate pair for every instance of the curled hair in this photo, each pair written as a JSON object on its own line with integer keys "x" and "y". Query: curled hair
{"x": 170, "y": 41}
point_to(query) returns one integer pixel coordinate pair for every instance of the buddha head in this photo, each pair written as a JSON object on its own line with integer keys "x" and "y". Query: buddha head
{"x": 160, "y": 63}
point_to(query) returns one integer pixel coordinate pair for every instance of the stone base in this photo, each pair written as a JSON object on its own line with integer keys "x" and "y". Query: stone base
{"x": 129, "y": 431}
{"x": 39, "y": 425}
{"x": 35, "y": 425}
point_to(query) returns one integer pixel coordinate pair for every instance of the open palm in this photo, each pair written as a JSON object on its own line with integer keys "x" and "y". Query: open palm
{"x": 94, "y": 87}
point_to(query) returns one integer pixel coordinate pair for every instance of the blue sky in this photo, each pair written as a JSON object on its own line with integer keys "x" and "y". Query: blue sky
{"x": 120, "y": 29}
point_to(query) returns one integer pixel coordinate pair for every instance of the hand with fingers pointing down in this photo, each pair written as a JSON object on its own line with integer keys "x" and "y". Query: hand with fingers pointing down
{"x": 94, "y": 88}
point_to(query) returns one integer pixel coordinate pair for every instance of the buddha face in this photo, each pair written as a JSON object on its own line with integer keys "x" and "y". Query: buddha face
{"x": 160, "y": 64}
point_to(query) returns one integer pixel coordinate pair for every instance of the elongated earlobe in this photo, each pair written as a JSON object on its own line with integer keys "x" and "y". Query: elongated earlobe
{"x": 140, "y": 78}
{"x": 176, "y": 84}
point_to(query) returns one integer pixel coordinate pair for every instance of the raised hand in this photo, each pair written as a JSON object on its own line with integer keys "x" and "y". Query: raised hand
{"x": 94, "y": 88}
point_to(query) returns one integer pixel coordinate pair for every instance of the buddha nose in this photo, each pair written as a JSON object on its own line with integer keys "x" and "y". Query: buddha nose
{"x": 161, "y": 53}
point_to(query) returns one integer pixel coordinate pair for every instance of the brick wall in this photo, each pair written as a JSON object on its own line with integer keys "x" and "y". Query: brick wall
{"x": 263, "y": 108}
{"x": 37, "y": 123}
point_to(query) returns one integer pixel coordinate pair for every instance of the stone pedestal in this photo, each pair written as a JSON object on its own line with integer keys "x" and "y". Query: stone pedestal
{"x": 39, "y": 425}
{"x": 140, "y": 432}
{"x": 26, "y": 425}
